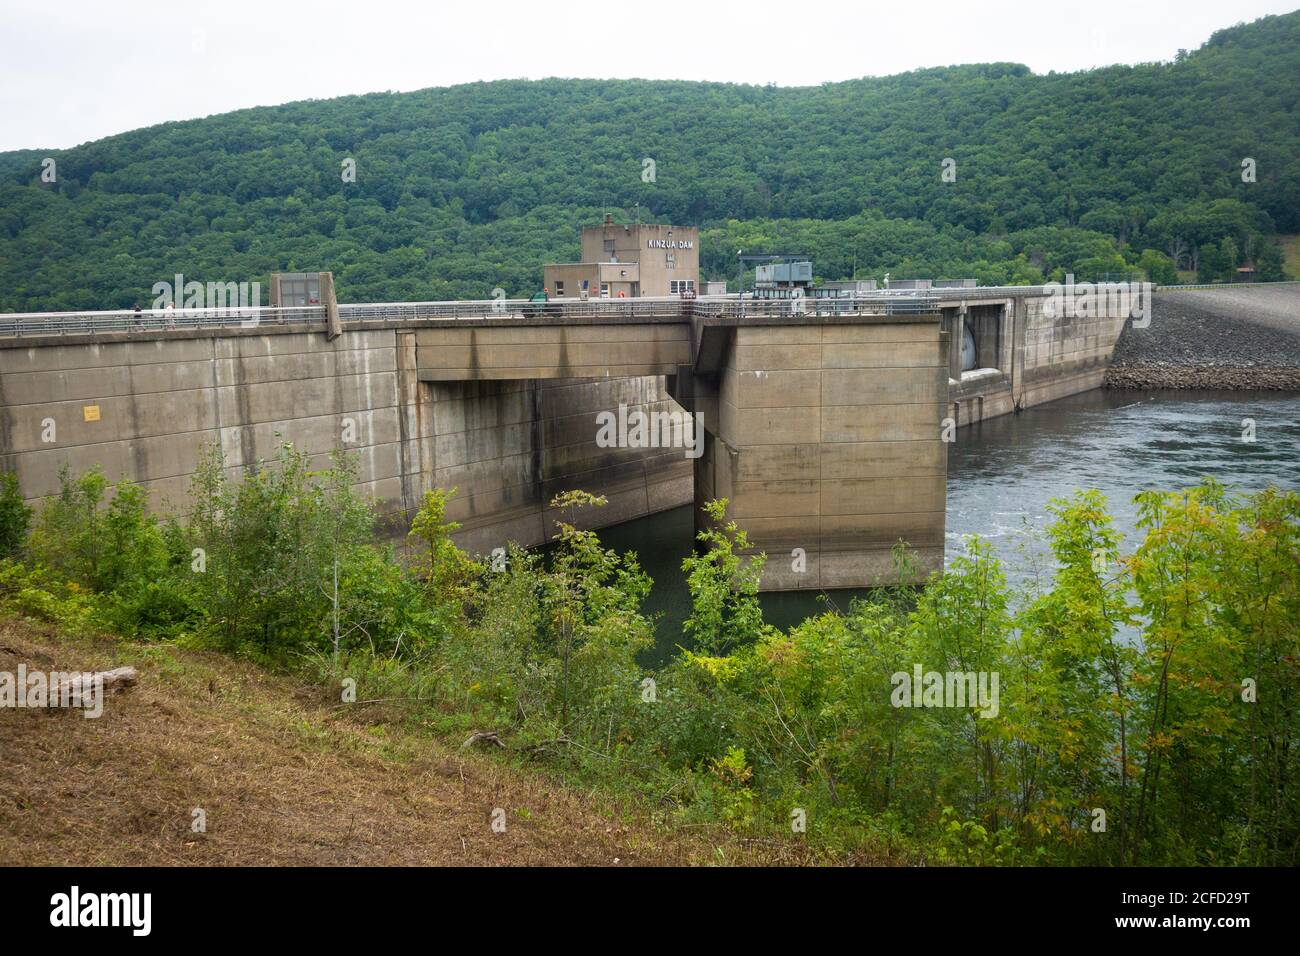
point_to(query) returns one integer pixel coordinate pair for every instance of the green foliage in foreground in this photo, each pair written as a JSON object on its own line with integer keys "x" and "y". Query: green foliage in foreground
{"x": 14, "y": 515}
{"x": 464, "y": 189}
{"x": 1145, "y": 708}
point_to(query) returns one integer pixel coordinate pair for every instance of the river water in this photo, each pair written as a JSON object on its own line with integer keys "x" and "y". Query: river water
{"x": 1003, "y": 472}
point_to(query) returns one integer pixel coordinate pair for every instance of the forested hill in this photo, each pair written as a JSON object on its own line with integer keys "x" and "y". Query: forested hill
{"x": 464, "y": 189}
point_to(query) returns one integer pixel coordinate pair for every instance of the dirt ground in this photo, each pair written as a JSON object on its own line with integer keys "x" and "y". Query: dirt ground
{"x": 284, "y": 777}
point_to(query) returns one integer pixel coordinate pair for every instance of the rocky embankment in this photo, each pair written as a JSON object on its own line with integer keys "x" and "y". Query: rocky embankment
{"x": 1241, "y": 337}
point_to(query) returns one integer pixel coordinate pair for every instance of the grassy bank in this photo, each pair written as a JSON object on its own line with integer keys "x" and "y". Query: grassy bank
{"x": 284, "y": 775}
{"x": 1135, "y": 706}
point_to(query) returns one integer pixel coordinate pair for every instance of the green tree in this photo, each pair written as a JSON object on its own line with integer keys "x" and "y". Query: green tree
{"x": 1229, "y": 257}
{"x": 723, "y": 582}
{"x": 592, "y": 598}
{"x": 1213, "y": 265}
{"x": 1268, "y": 261}
{"x": 1158, "y": 267}
{"x": 447, "y": 570}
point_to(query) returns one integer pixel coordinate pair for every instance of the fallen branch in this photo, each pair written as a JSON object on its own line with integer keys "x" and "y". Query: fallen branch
{"x": 76, "y": 687}
{"x": 483, "y": 737}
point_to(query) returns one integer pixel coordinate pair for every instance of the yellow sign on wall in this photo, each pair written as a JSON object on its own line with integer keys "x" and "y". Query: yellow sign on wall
{"x": 91, "y": 412}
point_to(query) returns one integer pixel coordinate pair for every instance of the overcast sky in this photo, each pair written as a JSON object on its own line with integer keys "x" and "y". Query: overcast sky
{"x": 77, "y": 70}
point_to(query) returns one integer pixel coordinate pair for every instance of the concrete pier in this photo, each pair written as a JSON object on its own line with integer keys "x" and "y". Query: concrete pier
{"x": 825, "y": 437}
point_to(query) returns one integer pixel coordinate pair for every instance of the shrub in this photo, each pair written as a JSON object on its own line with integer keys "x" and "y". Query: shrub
{"x": 725, "y": 612}
{"x": 14, "y": 516}
{"x": 37, "y": 593}
{"x": 270, "y": 544}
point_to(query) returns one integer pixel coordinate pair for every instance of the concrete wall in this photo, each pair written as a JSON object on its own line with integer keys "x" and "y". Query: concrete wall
{"x": 143, "y": 409}
{"x": 1037, "y": 357}
{"x": 827, "y": 439}
{"x": 824, "y": 432}
{"x": 558, "y": 351}
{"x": 511, "y": 446}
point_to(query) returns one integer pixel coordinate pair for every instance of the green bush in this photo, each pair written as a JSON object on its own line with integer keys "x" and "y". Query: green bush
{"x": 102, "y": 538}
{"x": 14, "y": 516}
{"x": 36, "y": 592}
{"x": 1155, "y": 684}
{"x": 724, "y": 585}
{"x": 268, "y": 547}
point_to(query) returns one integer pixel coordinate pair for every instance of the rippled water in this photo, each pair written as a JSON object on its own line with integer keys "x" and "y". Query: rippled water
{"x": 1002, "y": 473}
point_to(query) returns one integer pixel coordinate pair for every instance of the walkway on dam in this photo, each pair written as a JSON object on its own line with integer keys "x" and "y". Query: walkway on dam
{"x": 481, "y": 311}
{"x": 503, "y": 311}
{"x": 525, "y": 311}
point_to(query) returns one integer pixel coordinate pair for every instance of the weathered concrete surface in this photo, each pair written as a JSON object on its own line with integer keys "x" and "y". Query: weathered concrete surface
{"x": 551, "y": 351}
{"x": 825, "y": 439}
{"x": 144, "y": 408}
{"x": 824, "y": 432}
{"x": 511, "y": 446}
{"x": 1026, "y": 355}
{"x": 1244, "y": 336}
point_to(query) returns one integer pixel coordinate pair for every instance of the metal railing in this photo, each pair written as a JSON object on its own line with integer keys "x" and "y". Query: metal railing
{"x": 988, "y": 292}
{"x": 1200, "y": 286}
{"x": 878, "y": 302}
{"x": 22, "y": 324}
{"x": 30, "y": 324}
{"x": 484, "y": 309}
{"x": 866, "y": 304}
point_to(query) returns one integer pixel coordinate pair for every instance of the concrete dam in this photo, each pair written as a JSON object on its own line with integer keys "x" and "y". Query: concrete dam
{"x": 825, "y": 422}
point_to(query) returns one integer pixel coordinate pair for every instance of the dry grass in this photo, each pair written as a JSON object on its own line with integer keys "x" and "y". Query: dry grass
{"x": 285, "y": 778}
